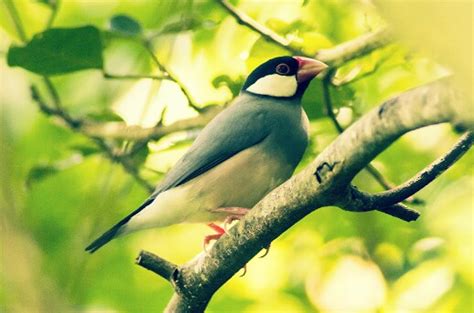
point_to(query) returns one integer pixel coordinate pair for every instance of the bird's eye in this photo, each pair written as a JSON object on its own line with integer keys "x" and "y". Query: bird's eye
{"x": 282, "y": 69}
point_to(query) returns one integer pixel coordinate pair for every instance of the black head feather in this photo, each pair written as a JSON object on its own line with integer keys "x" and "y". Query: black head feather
{"x": 270, "y": 67}
{"x": 284, "y": 65}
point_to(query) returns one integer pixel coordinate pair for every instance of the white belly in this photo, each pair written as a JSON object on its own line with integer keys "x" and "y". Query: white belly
{"x": 240, "y": 181}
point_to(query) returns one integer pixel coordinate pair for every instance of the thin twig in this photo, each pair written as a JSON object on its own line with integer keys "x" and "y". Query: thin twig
{"x": 265, "y": 32}
{"x": 53, "y": 92}
{"x": 77, "y": 125}
{"x": 118, "y": 130}
{"x": 125, "y": 162}
{"x": 140, "y": 144}
{"x": 334, "y": 56}
{"x": 375, "y": 68}
{"x": 372, "y": 170}
{"x": 54, "y": 5}
{"x": 154, "y": 77}
{"x": 16, "y": 20}
{"x": 171, "y": 76}
{"x": 328, "y": 101}
{"x": 67, "y": 120}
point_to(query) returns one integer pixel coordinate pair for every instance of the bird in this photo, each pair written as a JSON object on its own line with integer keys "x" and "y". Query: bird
{"x": 247, "y": 150}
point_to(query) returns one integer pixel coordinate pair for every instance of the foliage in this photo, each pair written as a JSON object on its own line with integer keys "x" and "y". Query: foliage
{"x": 332, "y": 260}
{"x": 59, "y": 51}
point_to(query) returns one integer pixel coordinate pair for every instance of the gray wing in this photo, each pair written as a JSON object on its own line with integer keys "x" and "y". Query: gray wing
{"x": 235, "y": 129}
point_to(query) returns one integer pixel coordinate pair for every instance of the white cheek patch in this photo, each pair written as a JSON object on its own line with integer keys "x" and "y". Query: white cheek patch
{"x": 275, "y": 85}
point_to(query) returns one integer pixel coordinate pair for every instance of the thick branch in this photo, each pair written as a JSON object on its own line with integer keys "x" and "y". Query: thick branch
{"x": 321, "y": 183}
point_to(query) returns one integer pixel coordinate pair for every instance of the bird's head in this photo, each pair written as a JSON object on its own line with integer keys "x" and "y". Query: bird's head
{"x": 283, "y": 77}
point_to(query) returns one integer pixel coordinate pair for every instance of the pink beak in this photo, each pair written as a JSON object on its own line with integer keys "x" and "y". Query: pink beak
{"x": 308, "y": 68}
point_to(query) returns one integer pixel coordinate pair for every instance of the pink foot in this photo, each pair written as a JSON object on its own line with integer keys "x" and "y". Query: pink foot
{"x": 234, "y": 214}
{"x": 220, "y": 231}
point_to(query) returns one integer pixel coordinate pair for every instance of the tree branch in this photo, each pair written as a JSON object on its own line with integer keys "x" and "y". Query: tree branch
{"x": 54, "y": 6}
{"x": 16, "y": 20}
{"x": 334, "y": 56}
{"x": 265, "y": 32}
{"x": 154, "y": 77}
{"x": 326, "y": 181}
{"x": 118, "y": 130}
{"x": 157, "y": 265}
{"x": 354, "y": 48}
{"x": 171, "y": 76}
{"x": 355, "y": 76}
{"x": 78, "y": 125}
{"x": 422, "y": 179}
{"x": 372, "y": 170}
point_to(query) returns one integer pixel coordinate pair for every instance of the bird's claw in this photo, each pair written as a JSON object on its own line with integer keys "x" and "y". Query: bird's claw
{"x": 244, "y": 271}
{"x": 267, "y": 249}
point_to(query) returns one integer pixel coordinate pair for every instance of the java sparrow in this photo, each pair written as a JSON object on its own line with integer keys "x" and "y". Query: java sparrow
{"x": 247, "y": 150}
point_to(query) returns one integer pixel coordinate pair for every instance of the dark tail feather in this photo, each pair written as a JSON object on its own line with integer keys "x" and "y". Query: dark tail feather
{"x": 105, "y": 238}
{"x": 115, "y": 230}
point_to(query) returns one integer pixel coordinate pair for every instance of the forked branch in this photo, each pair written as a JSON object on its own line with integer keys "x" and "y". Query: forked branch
{"x": 361, "y": 201}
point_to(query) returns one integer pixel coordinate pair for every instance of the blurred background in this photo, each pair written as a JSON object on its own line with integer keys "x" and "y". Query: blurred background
{"x": 59, "y": 191}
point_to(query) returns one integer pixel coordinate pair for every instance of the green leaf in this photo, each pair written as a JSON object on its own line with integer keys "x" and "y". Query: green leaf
{"x": 42, "y": 171}
{"x": 51, "y": 3}
{"x": 85, "y": 149}
{"x": 140, "y": 156}
{"x": 125, "y": 25}
{"x": 186, "y": 24}
{"x": 59, "y": 51}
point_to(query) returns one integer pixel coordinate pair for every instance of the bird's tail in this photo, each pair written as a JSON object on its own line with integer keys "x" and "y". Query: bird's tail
{"x": 115, "y": 231}
{"x": 105, "y": 238}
